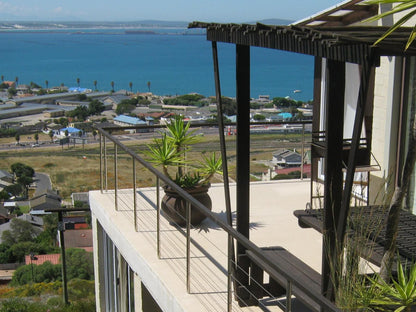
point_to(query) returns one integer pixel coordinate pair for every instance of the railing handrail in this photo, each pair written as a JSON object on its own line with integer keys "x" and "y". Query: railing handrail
{"x": 318, "y": 298}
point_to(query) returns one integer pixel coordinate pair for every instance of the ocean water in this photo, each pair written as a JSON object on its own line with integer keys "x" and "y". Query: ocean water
{"x": 174, "y": 63}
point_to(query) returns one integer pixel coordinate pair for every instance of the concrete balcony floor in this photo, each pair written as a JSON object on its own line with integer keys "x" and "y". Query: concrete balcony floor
{"x": 272, "y": 224}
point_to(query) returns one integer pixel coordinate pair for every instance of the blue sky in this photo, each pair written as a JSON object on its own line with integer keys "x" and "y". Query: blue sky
{"x": 167, "y": 10}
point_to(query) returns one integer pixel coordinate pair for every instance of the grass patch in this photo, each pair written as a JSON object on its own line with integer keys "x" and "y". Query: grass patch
{"x": 75, "y": 169}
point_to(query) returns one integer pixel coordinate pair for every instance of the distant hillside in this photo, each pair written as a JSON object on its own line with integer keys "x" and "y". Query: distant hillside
{"x": 129, "y": 24}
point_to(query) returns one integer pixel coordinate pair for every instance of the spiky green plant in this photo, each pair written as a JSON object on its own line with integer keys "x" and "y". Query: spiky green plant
{"x": 163, "y": 152}
{"x": 171, "y": 149}
{"x": 400, "y": 295}
{"x": 402, "y": 5}
{"x": 210, "y": 166}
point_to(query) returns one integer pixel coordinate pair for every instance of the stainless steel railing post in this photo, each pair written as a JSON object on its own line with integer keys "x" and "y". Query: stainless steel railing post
{"x": 115, "y": 177}
{"x": 158, "y": 216}
{"x": 188, "y": 247}
{"x": 101, "y": 164}
{"x": 134, "y": 195}
{"x": 289, "y": 296}
{"x": 229, "y": 274}
{"x": 105, "y": 165}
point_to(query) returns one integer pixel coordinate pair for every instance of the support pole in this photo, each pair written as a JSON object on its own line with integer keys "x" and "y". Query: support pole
{"x": 158, "y": 216}
{"x": 134, "y": 195}
{"x": 115, "y": 177}
{"x": 243, "y": 161}
{"x": 231, "y": 252}
{"x": 333, "y": 184}
{"x": 101, "y": 164}
{"x": 62, "y": 241}
{"x": 366, "y": 72}
{"x": 188, "y": 247}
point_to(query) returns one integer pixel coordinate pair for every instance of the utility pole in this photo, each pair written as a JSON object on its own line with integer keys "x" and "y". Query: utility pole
{"x": 61, "y": 229}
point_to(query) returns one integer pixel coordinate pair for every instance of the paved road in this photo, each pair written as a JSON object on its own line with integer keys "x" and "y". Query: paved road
{"x": 43, "y": 183}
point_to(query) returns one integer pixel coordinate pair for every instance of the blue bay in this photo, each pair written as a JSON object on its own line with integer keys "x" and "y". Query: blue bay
{"x": 174, "y": 63}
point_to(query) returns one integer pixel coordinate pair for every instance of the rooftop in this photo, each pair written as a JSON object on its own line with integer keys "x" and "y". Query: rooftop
{"x": 272, "y": 223}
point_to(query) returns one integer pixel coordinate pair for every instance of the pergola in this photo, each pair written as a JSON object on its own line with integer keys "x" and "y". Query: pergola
{"x": 338, "y": 45}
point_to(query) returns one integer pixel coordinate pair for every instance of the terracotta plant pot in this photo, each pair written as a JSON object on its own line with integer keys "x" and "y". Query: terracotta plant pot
{"x": 174, "y": 207}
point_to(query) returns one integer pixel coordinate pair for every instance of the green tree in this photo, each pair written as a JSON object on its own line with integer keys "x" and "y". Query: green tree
{"x": 81, "y": 113}
{"x": 95, "y": 85}
{"x": 19, "y": 170}
{"x": 229, "y": 106}
{"x": 131, "y": 86}
{"x": 14, "y": 189}
{"x": 17, "y": 80}
{"x": 125, "y": 106}
{"x": 94, "y": 133}
{"x": 112, "y": 86}
{"x": 12, "y": 92}
{"x": 2, "y": 78}
{"x": 46, "y": 84}
{"x": 148, "y": 85}
{"x": 96, "y": 107}
{"x": 63, "y": 121}
{"x": 17, "y": 138}
{"x": 78, "y": 81}
{"x": 20, "y": 231}
{"x": 259, "y": 117}
{"x": 44, "y": 273}
{"x": 36, "y": 136}
{"x": 4, "y": 195}
{"x": 25, "y": 182}
{"x": 79, "y": 264}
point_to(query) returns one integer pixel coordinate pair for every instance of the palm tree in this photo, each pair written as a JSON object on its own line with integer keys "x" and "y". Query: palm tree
{"x": 112, "y": 86}
{"x": 148, "y": 85}
{"x": 17, "y": 80}
{"x": 78, "y": 81}
{"x": 2, "y": 78}
{"x": 131, "y": 86}
{"x": 95, "y": 85}
{"x": 402, "y": 5}
{"x": 46, "y": 84}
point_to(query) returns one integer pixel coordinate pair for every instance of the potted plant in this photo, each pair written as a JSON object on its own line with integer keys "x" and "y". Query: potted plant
{"x": 169, "y": 151}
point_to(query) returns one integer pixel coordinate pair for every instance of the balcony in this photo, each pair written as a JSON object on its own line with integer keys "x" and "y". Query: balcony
{"x": 191, "y": 268}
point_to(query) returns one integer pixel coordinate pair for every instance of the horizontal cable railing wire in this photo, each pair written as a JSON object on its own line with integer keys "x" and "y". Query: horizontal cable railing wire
{"x": 322, "y": 301}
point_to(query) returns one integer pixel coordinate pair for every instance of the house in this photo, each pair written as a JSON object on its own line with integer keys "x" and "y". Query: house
{"x": 6, "y": 178}
{"x": 81, "y": 238}
{"x": 79, "y": 197}
{"x": 363, "y": 97}
{"x": 127, "y": 121}
{"x": 114, "y": 100}
{"x": 48, "y": 200}
{"x": 10, "y": 84}
{"x": 72, "y": 132}
{"x": 41, "y": 259}
{"x": 285, "y": 158}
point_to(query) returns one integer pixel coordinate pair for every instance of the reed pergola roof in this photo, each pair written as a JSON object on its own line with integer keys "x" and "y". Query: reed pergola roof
{"x": 352, "y": 44}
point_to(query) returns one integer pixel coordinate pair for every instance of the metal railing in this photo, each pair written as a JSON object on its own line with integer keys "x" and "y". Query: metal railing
{"x": 233, "y": 235}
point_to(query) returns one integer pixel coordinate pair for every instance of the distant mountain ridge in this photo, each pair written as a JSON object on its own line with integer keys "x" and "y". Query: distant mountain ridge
{"x": 128, "y": 24}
